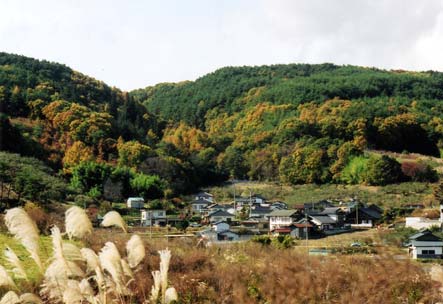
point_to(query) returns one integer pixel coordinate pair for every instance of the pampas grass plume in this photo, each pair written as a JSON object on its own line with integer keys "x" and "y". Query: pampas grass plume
{"x": 155, "y": 289}
{"x": 135, "y": 250}
{"x": 30, "y": 298}
{"x": 77, "y": 223}
{"x": 10, "y": 298}
{"x": 15, "y": 262}
{"x": 91, "y": 258}
{"x": 5, "y": 278}
{"x": 165, "y": 258}
{"x": 171, "y": 295}
{"x": 110, "y": 261}
{"x": 23, "y": 228}
{"x": 72, "y": 293}
{"x": 113, "y": 218}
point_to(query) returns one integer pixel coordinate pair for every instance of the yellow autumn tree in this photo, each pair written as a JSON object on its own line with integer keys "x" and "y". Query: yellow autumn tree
{"x": 76, "y": 154}
{"x": 132, "y": 153}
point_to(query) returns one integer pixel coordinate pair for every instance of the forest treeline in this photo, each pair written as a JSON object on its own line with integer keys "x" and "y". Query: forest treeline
{"x": 294, "y": 124}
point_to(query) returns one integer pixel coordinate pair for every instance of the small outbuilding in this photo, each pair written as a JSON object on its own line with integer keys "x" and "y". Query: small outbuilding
{"x": 135, "y": 202}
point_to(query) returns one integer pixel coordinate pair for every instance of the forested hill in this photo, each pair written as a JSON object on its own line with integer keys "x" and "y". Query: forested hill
{"x": 28, "y": 85}
{"x": 294, "y": 84}
{"x": 293, "y": 123}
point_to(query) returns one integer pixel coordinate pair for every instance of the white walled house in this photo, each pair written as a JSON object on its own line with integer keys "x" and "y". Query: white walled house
{"x": 282, "y": 218}
{"x": 323, "y": 222}
{"x": 425, "y": 245}
{"x": 135, "y": 202}
{"x": 153, "y": 218}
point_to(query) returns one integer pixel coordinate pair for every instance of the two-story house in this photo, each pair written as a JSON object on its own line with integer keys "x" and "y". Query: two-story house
{"x": 199, "y": 205}
{"x": 282, "y": 218}
{"x": 153, "y": 218}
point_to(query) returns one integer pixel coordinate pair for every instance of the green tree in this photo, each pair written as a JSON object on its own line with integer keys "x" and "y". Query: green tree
{"x": 355, "y": 170}
{"x": 233, "y": 162}
{"x": 383, "y": 170}
{"x": 88, "y": 175}
{"x": 147, "y": 186}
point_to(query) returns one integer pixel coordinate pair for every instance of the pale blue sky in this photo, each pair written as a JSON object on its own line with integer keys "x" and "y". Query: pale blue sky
{"x": 134, "y": 43}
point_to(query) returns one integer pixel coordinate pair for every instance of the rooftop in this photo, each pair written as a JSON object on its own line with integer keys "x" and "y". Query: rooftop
{"x": 323, "y": 219}
{"x": 289, "y": 212}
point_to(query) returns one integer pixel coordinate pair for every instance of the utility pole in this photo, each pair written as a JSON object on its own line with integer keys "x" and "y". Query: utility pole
{"x": 356, "y": 213}
{"x": 250, "y": 202}
{"x": 306, "y": 230}
{"x": 235, "y": 204}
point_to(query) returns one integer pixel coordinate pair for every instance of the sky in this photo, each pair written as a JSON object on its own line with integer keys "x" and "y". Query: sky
{"x": 136, "y": 43}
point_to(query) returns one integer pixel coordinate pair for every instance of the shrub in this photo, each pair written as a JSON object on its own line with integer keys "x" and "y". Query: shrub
{"x": 355, "y": 170}
{"x": 262, "y": 239}
{"x": 383, "y": 170}
{"x": 283, "y": 241}
{"x": 419, "y": 172}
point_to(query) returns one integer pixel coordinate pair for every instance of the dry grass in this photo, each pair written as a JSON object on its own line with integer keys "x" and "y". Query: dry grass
{"x": 250, "y": 273}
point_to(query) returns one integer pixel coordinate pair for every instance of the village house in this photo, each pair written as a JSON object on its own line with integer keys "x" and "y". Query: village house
{"x": 204, "y": 196}
{"x": 425, "y": 244}
{"x": 219, "y": 232}
{"x": 323, "y": 222}
{"x": 282, "y": 218}
{"x": 278, "y": 205}
{"x": 363, "y": 217}
{"x": 198, "y": 205}
{"x": 220, "y": 215}
{"x": 220, "y": 226}
{"x": 153, "y": 218}
{"x": 135, "y": 202}
{"x": 259, "y": 212}
{"x": 256, "y": 225}
{"x": 299, "y": 229}
{"x": 215, "y": 207}
{"x": 255, "y": 199}
{"x": 336, "y": 213}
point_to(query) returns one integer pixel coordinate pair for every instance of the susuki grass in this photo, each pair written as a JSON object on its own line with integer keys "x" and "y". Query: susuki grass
{"x": 123, "y": 268}
{"x": 74, "y": 275}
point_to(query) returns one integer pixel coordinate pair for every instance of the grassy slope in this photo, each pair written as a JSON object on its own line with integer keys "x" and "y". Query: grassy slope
{"x": 391, "y": 195}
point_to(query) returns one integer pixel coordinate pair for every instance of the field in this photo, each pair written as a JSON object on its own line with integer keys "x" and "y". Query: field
{"x": 388, "y": 196}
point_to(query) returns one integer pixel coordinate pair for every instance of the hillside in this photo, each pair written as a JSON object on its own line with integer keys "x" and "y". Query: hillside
{"x": 294, "y": 124}
{"x": 265, "y": 119}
